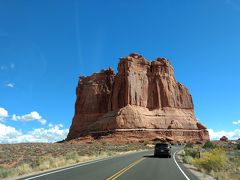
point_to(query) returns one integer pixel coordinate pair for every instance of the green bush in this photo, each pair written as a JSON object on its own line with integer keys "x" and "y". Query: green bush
{"x": 5, "y": 172}
{"x": 109, "y": 153}
{"x": 189, "y": 145}
{"x": 209, "y": 145}
{"x": 191, "y": 152}
{"x": 212, "y": 161}
{"x": 238, "y": 146}
{"x": 236, "y": 161}
{"x": 187, "y": 159}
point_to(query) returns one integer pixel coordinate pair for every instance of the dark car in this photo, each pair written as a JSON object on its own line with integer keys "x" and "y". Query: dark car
{"x": 162, "y": 149}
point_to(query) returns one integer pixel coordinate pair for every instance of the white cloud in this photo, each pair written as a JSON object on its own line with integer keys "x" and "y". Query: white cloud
{"x": 33, "y": 116}
{"x": 9, "y": 134}
{"x": 216, "y": 135}
{"x": 3, "y": 114}
{"x": 10, "y": 85}
{"x": 236, "y": 122}
{"x": 42, "y": 121}
{"x": 50, "y": 125}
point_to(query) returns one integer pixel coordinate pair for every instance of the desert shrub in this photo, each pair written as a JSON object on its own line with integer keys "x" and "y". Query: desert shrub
{"x": 191, "y": 152}
{"x": 57, "y": 162}
{"x": 104, "y": 143}
{"x": 109, "y": 153}
{"x": 236, "y": 161}
{"x": 39, "y": 157}
{"x": 222, "y": 175}
{"x": 72, "y": 155}
{"x": 238, "y": 146}
{"x": 23, "y": 169}
{"x": 187, "y": 159}
{"x": 45, "y": 162}
{"x": 209, "y": 145}
{"x": 40, "y": 160}
{"x": 189, "y": 145}
{"x": 145, "y": 143}
{"x": 4, "y": 173}
{"x": 212, "y": 161}
{"x": 130, "y": 148}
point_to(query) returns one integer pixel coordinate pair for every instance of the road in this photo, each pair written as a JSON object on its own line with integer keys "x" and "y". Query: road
{"x": 141, "y": 165}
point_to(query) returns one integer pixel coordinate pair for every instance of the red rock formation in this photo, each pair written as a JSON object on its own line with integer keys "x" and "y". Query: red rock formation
{"x": 93, "y": 93}
{"x": 143, "y": 97}
{"x": 223, "y": 138}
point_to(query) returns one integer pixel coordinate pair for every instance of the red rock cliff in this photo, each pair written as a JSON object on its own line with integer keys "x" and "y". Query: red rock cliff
{"x": 143, "y": 96}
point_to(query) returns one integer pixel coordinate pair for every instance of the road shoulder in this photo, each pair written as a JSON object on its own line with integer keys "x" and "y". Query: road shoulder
{"x": 192, "y": 169}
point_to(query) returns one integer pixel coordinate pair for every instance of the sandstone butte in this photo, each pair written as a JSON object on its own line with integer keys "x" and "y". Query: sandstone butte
{"x": 143, "y": 101}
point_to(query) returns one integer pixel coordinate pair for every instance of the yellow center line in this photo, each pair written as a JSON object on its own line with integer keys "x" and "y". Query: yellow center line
{"x": 119, "y": 173}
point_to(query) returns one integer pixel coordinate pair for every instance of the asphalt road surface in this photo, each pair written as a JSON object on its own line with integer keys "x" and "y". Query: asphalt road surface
{"x": 141, "y": 165}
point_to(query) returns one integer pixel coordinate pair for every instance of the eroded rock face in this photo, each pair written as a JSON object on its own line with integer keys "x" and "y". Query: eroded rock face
{"x": 93, "y": 93}
{"x": 148, "y": 84}
{"x": 142, "y": 96}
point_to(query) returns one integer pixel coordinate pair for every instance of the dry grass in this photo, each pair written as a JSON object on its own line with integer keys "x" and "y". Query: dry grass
{"x": 20, "y": 159}
{"x": 221, "y": 162}
{"x": 214, "y": 160}
{"x": 23, "y": 169}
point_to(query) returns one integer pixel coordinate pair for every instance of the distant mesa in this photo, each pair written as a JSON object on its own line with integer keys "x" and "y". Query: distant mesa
{"x": 143, "y": 101}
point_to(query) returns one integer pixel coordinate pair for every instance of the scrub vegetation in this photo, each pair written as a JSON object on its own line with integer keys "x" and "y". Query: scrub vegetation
{"x": 220, "y": 160}
{"x": 20, "y": 159}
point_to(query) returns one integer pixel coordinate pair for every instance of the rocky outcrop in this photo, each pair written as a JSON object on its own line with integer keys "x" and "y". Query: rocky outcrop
{"x": 223, "y": 138}
{"x": 93, "y": 93}
{"x": 148, "y": 84}
{"x": 142, "y": 97}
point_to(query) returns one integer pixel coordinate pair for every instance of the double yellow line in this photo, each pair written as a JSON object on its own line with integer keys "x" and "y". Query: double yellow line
{"x": 119, "y": 173}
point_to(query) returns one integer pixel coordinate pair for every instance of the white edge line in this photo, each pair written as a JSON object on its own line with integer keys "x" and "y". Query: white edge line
{"x": 180, "y": 167}
{"x": 75, "y": 166}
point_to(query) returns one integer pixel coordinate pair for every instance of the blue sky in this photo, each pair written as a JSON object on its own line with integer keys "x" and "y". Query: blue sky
{"x": 46, "y": 45}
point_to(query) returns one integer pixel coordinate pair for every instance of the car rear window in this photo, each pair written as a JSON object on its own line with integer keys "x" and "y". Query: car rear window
{"x": 161, "y": 145}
